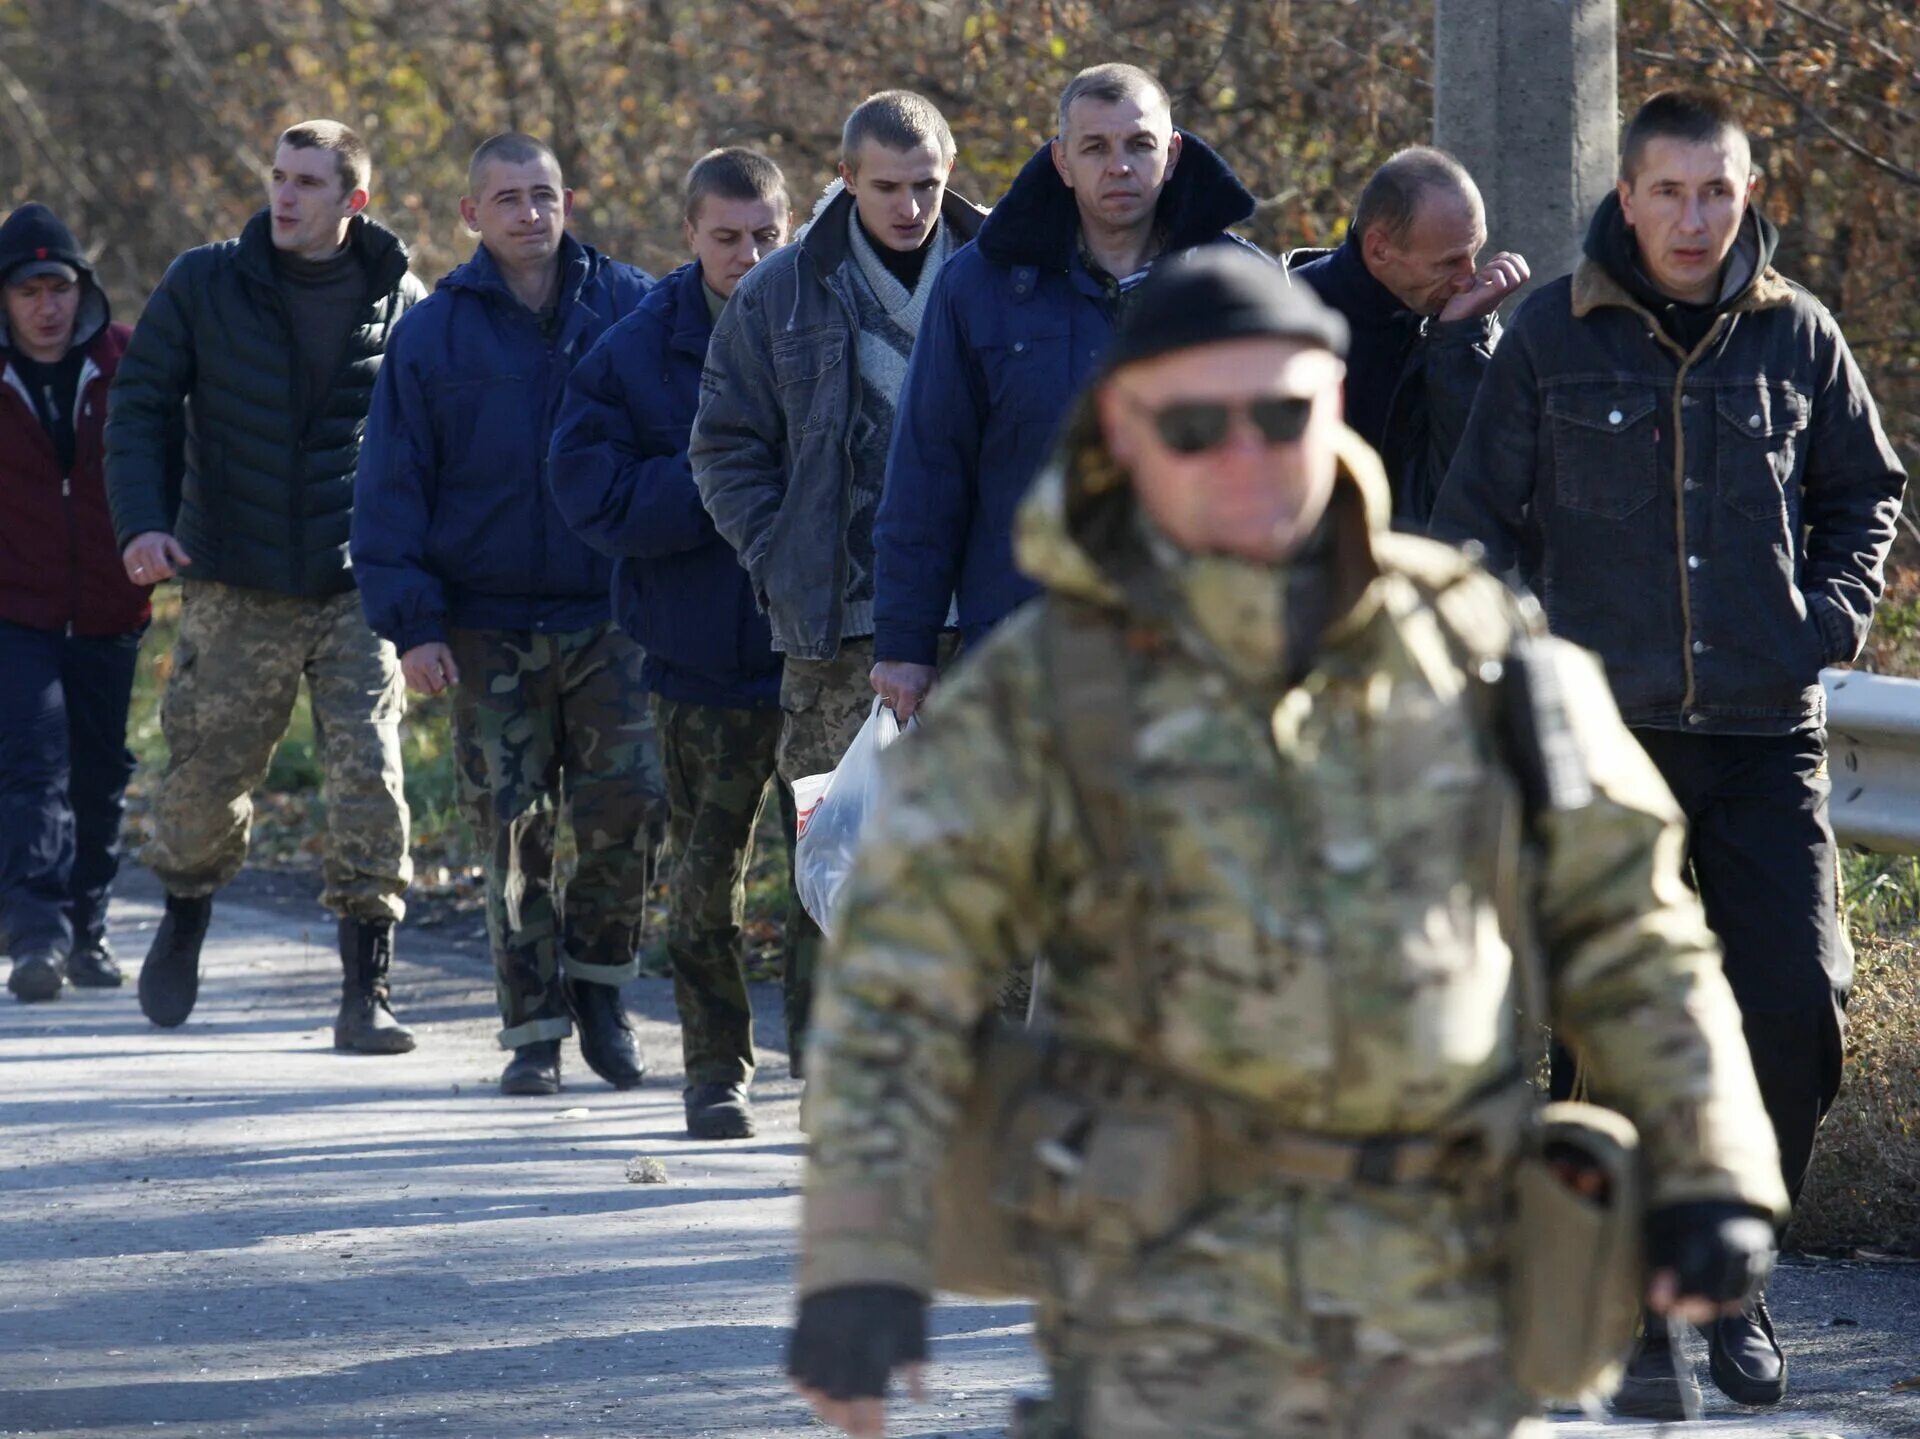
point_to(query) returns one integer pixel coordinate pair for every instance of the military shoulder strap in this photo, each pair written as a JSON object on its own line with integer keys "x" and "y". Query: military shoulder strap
{"x": 1514, "y": 687}
{"x": 1090, "y": 673}
{"x": 1093, "y": 715}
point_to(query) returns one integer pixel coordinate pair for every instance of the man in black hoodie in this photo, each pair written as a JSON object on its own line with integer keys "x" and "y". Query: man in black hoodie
{"x": 70, "y": 619}
{"x": 1675, "y": 450}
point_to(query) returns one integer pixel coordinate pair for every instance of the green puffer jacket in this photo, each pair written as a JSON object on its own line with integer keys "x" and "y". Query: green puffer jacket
{"x": 269, "y": 488}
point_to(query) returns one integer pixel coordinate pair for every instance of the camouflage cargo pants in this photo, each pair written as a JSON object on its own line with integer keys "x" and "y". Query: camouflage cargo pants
{"x": 1291, "y": 1314}
{"x": 551, "y": 726}
{"x": 237, "y": 668}
{"x": 719, "y": 763}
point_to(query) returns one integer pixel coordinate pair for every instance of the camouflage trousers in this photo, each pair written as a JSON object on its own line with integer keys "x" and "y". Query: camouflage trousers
{"x": 550, "y": 726}
{"x": 1291, "y": 1314}
{"x": 718, "y": 762}
{"x": 237, "y": 668}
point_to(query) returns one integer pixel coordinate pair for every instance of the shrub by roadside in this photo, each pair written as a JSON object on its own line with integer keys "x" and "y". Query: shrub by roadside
{"x": 1864, "y": 1192}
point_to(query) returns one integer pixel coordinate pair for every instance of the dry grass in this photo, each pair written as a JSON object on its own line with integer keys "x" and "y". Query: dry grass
{"x": 1865, "y": 1187}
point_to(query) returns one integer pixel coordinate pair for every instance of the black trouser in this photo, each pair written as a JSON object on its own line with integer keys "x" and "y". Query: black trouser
{"x": 1761, "y": 853}
{"x": 64, "y": 767}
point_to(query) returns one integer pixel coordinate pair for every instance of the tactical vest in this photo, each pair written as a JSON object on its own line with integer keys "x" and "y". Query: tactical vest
{"x": 1067, "y": 1162}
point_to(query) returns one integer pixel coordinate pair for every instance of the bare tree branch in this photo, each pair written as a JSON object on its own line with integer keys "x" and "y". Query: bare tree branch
{"x": 1807, "y": 112}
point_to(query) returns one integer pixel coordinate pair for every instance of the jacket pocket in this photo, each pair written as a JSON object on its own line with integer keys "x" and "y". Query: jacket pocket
{"x": 806, "y": 373}
{"x": 1605, "y": 453}
{"x": 1759, "y": 449}
{"x": 1028, "y": 364}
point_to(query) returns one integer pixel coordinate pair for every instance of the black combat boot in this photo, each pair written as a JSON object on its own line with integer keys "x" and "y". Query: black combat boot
{"x": 719, "y": 1111}
{"x": 606, "y": 1034}
{"x": 35, "y": 977}
{"x": 92, "y": 966}
{"x": 534, "y": 1069}
{"x": 1744, "y": 1357}
{"x": 170, "y": 978}
{"x": 366, "y": 1023}
{"x": 1658, "y": 1384}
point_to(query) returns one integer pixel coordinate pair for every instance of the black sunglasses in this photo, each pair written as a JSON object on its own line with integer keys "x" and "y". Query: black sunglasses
{"x": 1192, "y": 427}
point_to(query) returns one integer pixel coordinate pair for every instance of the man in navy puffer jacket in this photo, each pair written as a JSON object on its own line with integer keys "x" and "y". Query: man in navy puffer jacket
{"x": 466, "y": 565}
{"x": 1013, "y": 330}
{"x": 624, "y": 482}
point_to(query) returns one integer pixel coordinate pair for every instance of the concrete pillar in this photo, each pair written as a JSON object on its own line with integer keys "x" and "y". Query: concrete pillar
{"x": 1526, "y": 95}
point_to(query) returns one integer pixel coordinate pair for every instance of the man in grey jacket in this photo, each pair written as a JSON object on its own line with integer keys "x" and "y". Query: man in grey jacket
{"x": 797, "y": 407}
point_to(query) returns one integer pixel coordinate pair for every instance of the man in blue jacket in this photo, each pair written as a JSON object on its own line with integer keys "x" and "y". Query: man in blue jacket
{"x": 622, "y": 479}
{"x": 797, "y": 404}
{"x": 1013, "y": 330}
{"x": 467, "y": 567}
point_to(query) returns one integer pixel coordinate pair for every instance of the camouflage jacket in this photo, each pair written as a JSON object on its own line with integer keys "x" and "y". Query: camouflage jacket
{"x": 1318, "y": 863}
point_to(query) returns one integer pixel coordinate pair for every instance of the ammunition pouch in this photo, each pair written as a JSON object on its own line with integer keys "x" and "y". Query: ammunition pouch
{"x": 1066, "y": 1153}
{"x": 1574, "y": 1266}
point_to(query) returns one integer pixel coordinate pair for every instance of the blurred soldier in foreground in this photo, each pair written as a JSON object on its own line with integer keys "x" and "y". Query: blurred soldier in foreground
{"x": 1235, "y": 777}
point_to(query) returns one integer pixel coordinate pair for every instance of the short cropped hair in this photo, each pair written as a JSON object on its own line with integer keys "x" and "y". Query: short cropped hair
{"x": 899, "y": 120}
{"x": 509, "y": 148}
{"x": 1390, "y": 201}
{"x": 733, "y": 173}
{"x": 1695, "y": 117}
{"x": 350, "y": 152}
{"x": 1112, "y": 83}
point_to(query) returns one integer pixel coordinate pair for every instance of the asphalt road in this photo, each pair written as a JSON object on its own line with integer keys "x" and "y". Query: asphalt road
{"x": 232, "y": 1230}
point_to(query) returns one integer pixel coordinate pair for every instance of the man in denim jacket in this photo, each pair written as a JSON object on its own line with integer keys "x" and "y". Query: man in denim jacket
{"x": 1674, "y": 448}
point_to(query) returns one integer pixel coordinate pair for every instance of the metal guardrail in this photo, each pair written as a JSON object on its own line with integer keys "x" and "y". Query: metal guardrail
{"x": 1873, "y": 748}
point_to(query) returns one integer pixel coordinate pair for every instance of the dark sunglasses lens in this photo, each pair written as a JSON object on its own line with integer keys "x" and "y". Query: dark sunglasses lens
{"x": 1281, "y": 419}
{"x": 1187, "y": 429}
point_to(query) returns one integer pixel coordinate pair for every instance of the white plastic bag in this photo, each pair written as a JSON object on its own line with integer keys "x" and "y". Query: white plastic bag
{"x": 831, "y": 809}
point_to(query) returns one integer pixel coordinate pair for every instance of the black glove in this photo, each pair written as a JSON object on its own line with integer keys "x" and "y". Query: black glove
{"x": 847, "y": 1341}
{"x": 1717, "y": 1250}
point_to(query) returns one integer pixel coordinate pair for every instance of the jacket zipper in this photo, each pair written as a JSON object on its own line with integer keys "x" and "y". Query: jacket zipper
{"x": 1687, "y": 362}
{"x": 851, "y": 359}
{"x": 73, "y": 524}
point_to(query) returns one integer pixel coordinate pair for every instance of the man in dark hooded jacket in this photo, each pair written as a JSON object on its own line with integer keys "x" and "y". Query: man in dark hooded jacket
{"x": 1676, "y": 450}
{"x": 1012, "y": 332}
{"x": 70, "y": 619}
{"x": 468, "y": 566}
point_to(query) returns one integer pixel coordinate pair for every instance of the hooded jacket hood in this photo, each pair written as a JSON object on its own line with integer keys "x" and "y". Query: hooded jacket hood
{"x": 1076, "y": 527}
{"x": 1612, "y": 245}
{"x": 34, "y": 232}
{"x": 1037, "y": 222}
